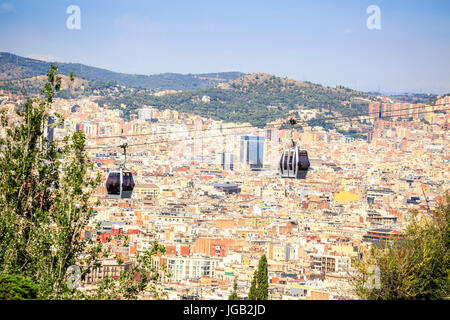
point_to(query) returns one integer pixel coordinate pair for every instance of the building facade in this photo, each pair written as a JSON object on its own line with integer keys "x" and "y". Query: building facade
{"x": 252, "y": 151}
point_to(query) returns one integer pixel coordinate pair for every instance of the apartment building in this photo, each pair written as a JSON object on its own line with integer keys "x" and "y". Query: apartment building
{"x": 193, "y": 267}
{"x": 329, "y": 264}
{"x": 146, "y": 191}
{"x": 108, "y": 268}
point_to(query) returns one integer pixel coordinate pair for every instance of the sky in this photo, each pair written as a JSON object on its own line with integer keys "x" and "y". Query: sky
{"x": 326, "y": 42}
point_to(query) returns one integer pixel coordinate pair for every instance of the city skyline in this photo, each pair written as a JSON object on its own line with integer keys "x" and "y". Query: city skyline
{"x": 224, "y": 186}
{"x": 324, "y": 43}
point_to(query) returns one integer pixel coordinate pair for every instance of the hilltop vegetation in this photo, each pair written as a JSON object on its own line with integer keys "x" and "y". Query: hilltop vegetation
{"x": 15, "y": 67}
{"x": 232, "y": 96}
{"x": 429, "y": 99}
{"x": 69, "y": 89}
{"x": 256, "y": 98}
{"x": 32, "y": 86}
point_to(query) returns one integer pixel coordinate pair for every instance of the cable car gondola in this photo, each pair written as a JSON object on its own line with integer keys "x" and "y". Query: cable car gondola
{"x": 120, "y": 182}
{"x": 294, "y": 161}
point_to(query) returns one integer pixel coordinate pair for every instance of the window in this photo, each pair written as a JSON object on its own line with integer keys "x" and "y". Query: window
{"x": 291, "y": 160}
{"x": 113, "y": 183}
{"x": 128, "y": 182}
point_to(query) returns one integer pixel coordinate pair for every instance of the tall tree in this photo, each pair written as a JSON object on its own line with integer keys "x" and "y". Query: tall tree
{"x": 417, "y": 267}
{"x": 44, "y": 198}
{"x": 252, "y": 294}
{"x": 234, "y": 295}
{"x": 259, "y": 289}
{"x": 45, "y": 192}
{"x": 263, "y": 279}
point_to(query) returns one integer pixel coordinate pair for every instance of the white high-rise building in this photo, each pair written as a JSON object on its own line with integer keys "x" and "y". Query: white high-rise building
{"x": 226, "y": 160}
{"x": 145, "y": 114}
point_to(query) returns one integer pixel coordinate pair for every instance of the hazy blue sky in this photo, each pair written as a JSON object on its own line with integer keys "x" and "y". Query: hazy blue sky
{"x": 325, "y": 42}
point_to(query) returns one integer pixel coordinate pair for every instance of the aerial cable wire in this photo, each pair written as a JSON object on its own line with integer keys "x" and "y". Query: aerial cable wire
{"x": 251, "y": 127}
{"x": 247, "y": 126}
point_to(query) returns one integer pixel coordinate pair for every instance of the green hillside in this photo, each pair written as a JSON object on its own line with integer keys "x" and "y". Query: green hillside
{"x": 16, "y": 67}
{"x": 255, "y": 98}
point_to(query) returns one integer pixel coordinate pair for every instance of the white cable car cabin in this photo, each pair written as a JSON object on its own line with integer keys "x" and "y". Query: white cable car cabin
{"x": 120, "y": 184}
{"x": 294, "y": 163}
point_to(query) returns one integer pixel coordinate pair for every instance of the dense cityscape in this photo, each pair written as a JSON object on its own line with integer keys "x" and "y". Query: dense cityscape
{"x": 224, "y": 159}
{"x": 211, "y": 193}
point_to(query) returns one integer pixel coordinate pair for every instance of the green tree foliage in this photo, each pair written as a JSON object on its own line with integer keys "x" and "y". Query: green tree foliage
{"x": 44, "y": 195}
{"x": 256, "y": 101}
{"x": 417, "y": 267}
{"x": 17, "y": 287}
{"x": 129, "y": 285}
{"x": 45, "y": 191}
{"x": 259, "y": 289}
{"x": 263, "y": 279}
{"x": 252, "y": 294}
{"x": 234, "y": 295}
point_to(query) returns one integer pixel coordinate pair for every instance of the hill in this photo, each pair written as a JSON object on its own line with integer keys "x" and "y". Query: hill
{"x": 15, "y": 67}
{"x": 32, "y": 86}
{"x": 256, "y": 98}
